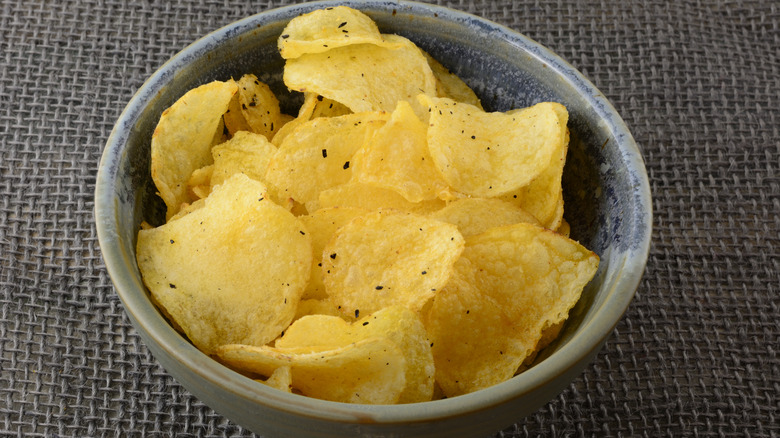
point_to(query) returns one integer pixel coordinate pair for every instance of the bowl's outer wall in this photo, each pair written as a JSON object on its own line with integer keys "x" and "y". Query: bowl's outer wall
{"x": 605, "y": 188}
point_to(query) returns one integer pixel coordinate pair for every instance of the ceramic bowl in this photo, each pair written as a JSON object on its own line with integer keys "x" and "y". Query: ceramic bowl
{"x": 606, "y": 191}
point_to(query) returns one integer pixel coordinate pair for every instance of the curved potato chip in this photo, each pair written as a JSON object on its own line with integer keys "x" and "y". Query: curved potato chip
{"x": 257, "y": 105}
{"x": 449, "y": 85}
{"x": 489, "y": 154}
{"x": 228, "y": 278}
{"x": 324, "y": 29}
{"x": 373, "y": 197}
{"x": 280, "y": 379}
{"x": 397, "y": 157}
{"x": 397, "y": 323}
{"x": 182, "y": 140}
{"x": 317, "y": 154}
{"x": 473, "y": 342}
{"x": 199, "y": 184}
{"x": 389, "y": 258}
{"x": 322, "y": 225}
{"x": 543, "y": 197}
{"x": 476, "y": 215}
{"x": 533, "y": 276}
{"x": 370, "y": 371}
{"x": 364, "y": 77}
{"x": 247, "y": 152}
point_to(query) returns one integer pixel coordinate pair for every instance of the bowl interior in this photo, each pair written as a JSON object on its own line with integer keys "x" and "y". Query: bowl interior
{"x": 606, "y": 192}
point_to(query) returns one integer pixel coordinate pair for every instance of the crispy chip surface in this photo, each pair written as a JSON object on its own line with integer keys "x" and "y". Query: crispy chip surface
{"x": 530, "y": 276}
{"x": 373, "y": 197}
{"x": 389, "y": 258}
{"x": 322, "y": 225}
{"x": 489, "y": 154}
{"x": 397, "y": 157}
{"x": 449, "y": 85}
{"x": 476, "y": 215}
{"x": 397, "y": 323}
{"x": 370, "y": 371}
{"x": 231, "y": 271}
{"x": 364, "y": 77}
{"x": 324, "y": 29}
{"x": 182, "y": 140}
{"x": 317, "y": 154}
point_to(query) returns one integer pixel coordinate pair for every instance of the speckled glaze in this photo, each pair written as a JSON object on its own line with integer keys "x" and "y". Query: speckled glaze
{"x": 606, "y": 194}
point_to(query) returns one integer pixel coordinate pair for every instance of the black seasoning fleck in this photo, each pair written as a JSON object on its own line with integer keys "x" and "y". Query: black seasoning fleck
{"x": 473, "y": 137}
{"x": 424, "y": 272}
{"x": 357, "y": 313}
{"x": 346, "y": 165}
{"x": 260, "y": 199}
{"x": 172, "y": 286}
{"x": 380, "y": 287}
{"x": 319, "y": 98}
{"x": 342, "y": 24}
{"x": 302, "y": 233}
{"x": 324, "y": 153}
{"x": 272, "y": 126}
{"x": 365, "y": 323}
{"x": 252, "y": 103}
{"x": 243, "y": 106}
{"x": 284, "y": 37}
{"x": 333, "y": 256}
{"x": 171, "y": 240}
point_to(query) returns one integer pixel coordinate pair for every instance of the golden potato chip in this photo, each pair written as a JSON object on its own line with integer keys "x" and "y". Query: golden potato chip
{"x": 543, "y": 197}
{"x": 246, "y": 152}
{"x": 370, "y": 371}
{"x": 449, "y": 85}
{"x": 389, "y": 258}
{"x": 228, "y": 278}
{"x": 317, "y": 154}
{"x": 324, "y": 107}
{"x": 315, "y": 306}
{"x": 489, "y": 154}
{"x": 397, "y": 157}
{"x": 564, "y": 229}
{"x": 373, "y": 197}
{"x": 364, "y": 77}
{"x": 530, "y": 275}
{"x": 199, "y": 184}
{"x": 322, "y": 225}
{"x": 324, "y": 29}
{"x": 476, "y": 215}
{"x": 397, "y": 323}
{"x": 280, "y": 379}
{"x": 258, "y": 106}
{"x": 473, "y": 341}
{"x": 182, "y": 140}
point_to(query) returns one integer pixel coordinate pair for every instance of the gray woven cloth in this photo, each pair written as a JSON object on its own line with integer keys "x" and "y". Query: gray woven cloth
{"x": 697, "y": 83}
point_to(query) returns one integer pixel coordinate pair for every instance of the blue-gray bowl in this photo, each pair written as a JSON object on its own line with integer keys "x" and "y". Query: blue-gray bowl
{"x": 606, "y": 193}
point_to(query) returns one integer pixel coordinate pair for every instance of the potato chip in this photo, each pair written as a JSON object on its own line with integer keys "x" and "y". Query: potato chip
{"x": 322, "y": 225}
{"x": 397, "y": 323}
{"x": 364, "y": 77}
{"x": 564, "y": 229}
{"x": 472, "y": 340}
{"x": 531, "y": 275}
{"x": 324, "y": 107}
{"x": 257, "y": 105}
{"x": 317, "y": 155}
{"x": 370, "y": 371}
{"x": 280, "y": 379}
{"x": 476, "y": 215}
{"x": 373, "y": 197}
{"x": 543, "y": 197}
{"x": 389, "y": 258}
{"x": 182, "y": 140}
{"x": 199, "y": 184}
{"x": 246, "y": 153}
{"x": 489, "y": 154}
{"x": 324, "y": 29}
{"x": 397, "y": 157}
{"x": 449, "y": 85}
{"x": 228, "y": 278}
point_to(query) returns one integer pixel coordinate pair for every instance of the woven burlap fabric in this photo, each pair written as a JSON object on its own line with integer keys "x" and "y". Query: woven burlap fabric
{"x": 697, "y": 83}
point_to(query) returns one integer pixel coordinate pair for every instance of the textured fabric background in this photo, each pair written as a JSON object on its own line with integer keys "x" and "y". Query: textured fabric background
{"x": 697, "y": 83}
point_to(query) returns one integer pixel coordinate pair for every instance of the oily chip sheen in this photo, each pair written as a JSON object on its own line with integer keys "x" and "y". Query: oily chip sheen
{"x": 231, "y": 271}
{"x": 389, "y": 242}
